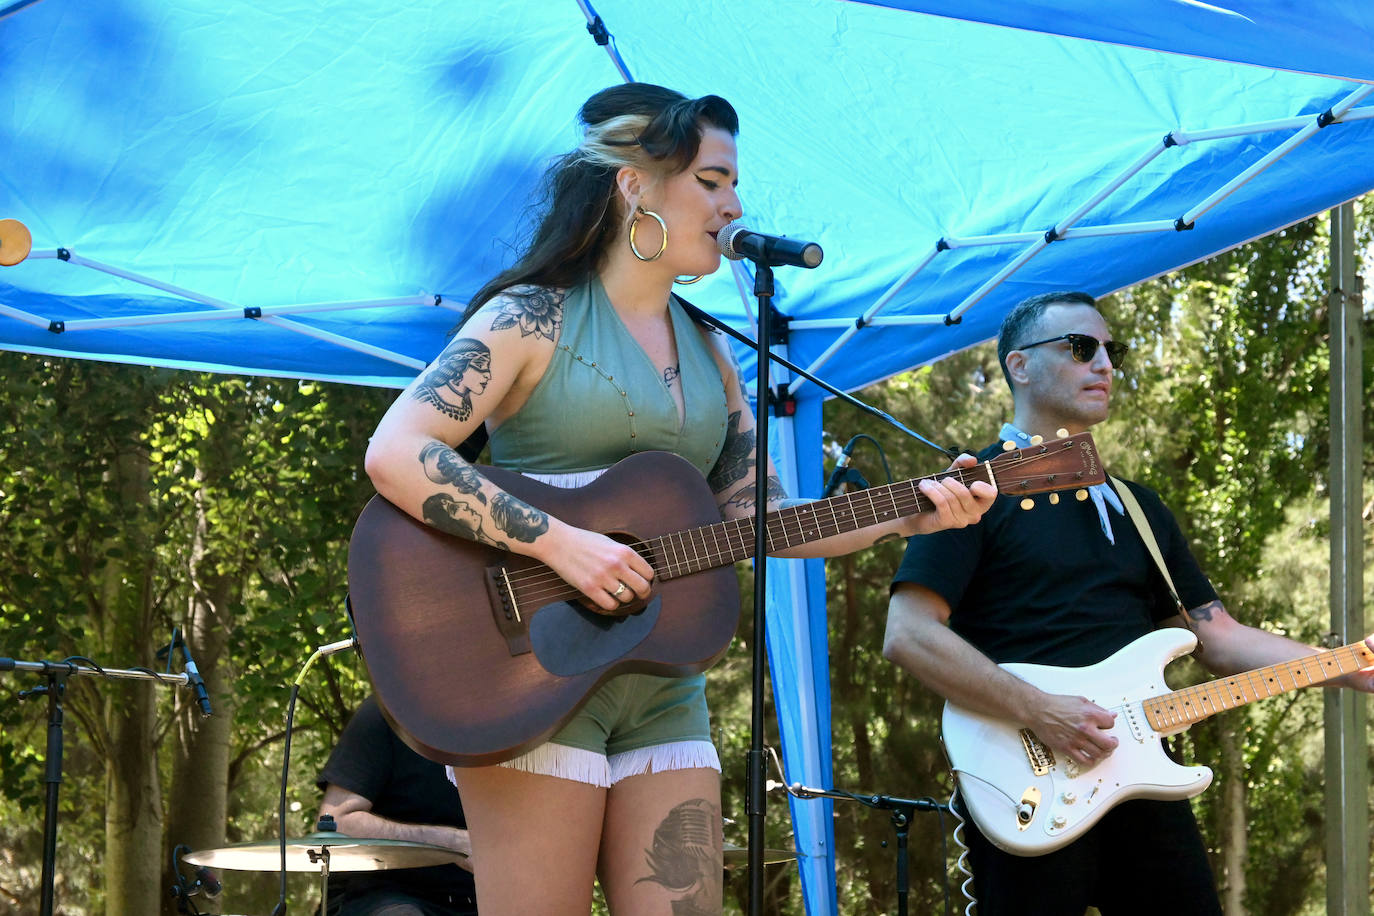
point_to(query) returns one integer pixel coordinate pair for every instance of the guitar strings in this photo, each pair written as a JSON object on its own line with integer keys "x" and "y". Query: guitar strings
{"x": 541, "y": 585}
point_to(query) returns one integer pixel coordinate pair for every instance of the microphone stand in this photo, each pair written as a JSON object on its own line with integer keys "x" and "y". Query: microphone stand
{"x": 902, "y": 810}
{"x": 56, "y": 674}
{"x": 755, "y": 777}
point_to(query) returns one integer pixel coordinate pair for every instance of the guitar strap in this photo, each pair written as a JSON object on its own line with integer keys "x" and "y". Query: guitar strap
{"x": 1142, "y": 524}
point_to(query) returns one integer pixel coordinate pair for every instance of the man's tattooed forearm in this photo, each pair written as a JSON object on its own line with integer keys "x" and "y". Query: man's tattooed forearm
{"x": 685, "y": 858}
{"x": 744, "y": 496}
{"x": 1204, "y": 612}
{"x": 461, "y": 371}
{"x": 736, "y": 458}
{"x": 442, "y": 465}
{"x": 457, "y": 517}
{"x": 518, "y": 518}
{"x": 535, "y": 310}
{"x": 888, "y": 538}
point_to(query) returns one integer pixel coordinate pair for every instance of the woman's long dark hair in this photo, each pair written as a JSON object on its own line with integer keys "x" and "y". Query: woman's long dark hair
{"x": 633, "y": 124}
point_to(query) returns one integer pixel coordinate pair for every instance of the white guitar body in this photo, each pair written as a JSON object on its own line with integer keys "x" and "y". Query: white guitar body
{"x": 1028, "y": 800}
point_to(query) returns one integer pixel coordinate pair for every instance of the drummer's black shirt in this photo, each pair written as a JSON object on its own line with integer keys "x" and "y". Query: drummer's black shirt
{"x": 402, "y": 786}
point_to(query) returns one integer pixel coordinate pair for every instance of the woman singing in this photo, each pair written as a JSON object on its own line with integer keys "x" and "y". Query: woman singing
{"x": 574, "y": 358}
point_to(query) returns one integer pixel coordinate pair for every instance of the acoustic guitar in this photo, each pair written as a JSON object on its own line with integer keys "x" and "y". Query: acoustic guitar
{"x": 477, "y": 655}
{"x": 1029, "y": 802}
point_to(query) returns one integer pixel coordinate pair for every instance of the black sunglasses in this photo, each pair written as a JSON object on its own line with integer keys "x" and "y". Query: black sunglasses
{"x": 1084, "y": 348}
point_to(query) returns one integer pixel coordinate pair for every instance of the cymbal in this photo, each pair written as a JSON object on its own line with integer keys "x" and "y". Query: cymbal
{"x": 739, "y": 856}
{"x": 15, "y": 242}
{"x": 346, "y": 853}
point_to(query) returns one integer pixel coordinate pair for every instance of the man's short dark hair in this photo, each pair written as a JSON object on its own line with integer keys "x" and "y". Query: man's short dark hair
{"x": 1020, "y": 322}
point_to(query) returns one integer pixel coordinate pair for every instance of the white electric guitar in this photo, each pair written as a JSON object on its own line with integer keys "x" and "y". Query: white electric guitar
{"x": 1029, "y": 802}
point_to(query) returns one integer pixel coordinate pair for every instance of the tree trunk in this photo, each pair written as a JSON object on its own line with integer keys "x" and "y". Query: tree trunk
{"x": 1235, "y": 829}
{"x": 198, "y": 804}
{"x": 133, "y": 812}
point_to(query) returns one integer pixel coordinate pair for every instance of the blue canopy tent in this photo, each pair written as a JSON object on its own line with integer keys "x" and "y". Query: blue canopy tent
{"x": 282, "y": 188}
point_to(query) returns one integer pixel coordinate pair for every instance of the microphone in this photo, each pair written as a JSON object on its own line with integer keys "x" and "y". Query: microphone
{"x": 837, "y": 476}
{"x": 207, "y": 881}
{"x": 194, "y": 679}
{"x": 843, "y": 473}
{"x": 737, "y": 242}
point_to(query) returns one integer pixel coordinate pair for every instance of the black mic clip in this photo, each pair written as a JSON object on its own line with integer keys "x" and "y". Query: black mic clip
{"x": 843, "y": 474}
{"x": 193, "y": 678}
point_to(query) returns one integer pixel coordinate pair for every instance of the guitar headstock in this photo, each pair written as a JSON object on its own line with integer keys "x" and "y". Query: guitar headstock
{"x": 1067, "y": 463}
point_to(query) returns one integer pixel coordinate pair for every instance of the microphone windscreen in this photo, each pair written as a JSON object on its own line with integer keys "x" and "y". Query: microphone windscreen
{"x": 725, "y": 240}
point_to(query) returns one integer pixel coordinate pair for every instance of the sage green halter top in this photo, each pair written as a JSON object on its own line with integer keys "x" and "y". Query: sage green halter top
{"x": 602, "y": 399}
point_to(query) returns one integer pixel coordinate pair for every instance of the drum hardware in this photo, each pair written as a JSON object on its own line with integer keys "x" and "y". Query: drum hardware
{"x": 57, "y": 675}
{"x": 326, "y": 850}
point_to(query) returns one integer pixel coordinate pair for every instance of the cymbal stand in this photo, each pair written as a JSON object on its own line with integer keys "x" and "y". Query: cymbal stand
{"x": 56, "y": 674}
{"x": 902, "y": 810}
{"x": 322, "y": 857}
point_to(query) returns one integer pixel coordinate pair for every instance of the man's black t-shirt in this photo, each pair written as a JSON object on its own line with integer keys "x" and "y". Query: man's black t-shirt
{"x": 1044, "y": 585}
{"x": 402, "y": 786}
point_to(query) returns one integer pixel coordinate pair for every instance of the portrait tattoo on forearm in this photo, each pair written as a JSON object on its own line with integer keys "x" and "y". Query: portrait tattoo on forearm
{"x": 685, "y": 858}
{"x": 736, "y": 457}
{"x": 442, "y": 465}
{"x": 454, "y": 516}
{"x": 518, "y": 518}
{"x": 535, "y": 310}
{"x": 744, "y": 496}
{"x": 461, "y": 371}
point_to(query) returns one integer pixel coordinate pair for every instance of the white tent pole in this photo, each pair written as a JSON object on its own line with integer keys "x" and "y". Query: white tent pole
{"x": 26, "y": 317}
{"x": 237, "y": 313}
{"x": 854, "y": 326}
{"x": 1040, "y": 241}
{"x": 346, "y": 343}
{"x": 1064, "y": 229}
{"x": 72, "y": 257}
{"x": 1315, "y": 123}
{"x": 597, "y": 28}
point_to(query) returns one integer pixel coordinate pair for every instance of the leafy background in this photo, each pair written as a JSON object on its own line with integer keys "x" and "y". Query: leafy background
{"x": 135, "y": 500}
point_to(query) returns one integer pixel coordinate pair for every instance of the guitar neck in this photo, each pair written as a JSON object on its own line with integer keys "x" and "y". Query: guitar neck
{"x": 1173, "y": 712}
{"x": 687, "y": 552}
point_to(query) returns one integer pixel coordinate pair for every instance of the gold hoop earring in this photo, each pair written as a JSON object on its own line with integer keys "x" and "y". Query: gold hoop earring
{"x": 640, "y": 211}
{"x": 688, "y": 281}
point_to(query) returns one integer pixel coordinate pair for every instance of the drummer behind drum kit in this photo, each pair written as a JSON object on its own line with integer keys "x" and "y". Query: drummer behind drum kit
{"x": 325, "y": 851}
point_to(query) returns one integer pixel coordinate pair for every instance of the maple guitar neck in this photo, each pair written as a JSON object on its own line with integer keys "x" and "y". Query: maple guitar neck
{"x": 1176, "y": 711}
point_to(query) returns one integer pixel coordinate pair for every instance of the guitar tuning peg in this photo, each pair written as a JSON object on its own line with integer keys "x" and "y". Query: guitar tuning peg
{"x": 1027, "y": 503}
{"x": 1054, "y": 499}
{"x": 1062, "y": 433}
{"x": 1036, "y": 440}
{"x": 1081, "y": 495}
{"x": 1008, "y": 446}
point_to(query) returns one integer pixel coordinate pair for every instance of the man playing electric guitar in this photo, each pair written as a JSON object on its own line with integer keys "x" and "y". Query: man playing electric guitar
{"x": 1068, "y": 585}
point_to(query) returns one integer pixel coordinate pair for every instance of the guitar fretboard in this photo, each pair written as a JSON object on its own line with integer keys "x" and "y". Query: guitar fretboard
{"x": 697, "y": 549}
{"x": 1172, "y": 712}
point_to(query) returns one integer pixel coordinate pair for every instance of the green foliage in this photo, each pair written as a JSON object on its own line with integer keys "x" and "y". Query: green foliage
{"x": 271, "y": 473}
{"x": 1223, "y": 409}
{"x": 252, "y": 486}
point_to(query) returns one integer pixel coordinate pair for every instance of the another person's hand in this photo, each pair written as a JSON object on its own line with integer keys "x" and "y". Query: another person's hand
{"x": 1075, "y": 727}
{"x": 953, "y": 504}
{"x": 459, "y": 840}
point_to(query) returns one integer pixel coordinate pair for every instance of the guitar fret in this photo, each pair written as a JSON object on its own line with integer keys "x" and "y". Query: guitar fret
{"x": 1192, "y": 704}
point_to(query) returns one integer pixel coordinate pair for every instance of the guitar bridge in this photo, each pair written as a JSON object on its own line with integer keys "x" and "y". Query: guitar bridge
{"x": 505, "y": 609}
{"x": 1038, "y": 755}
